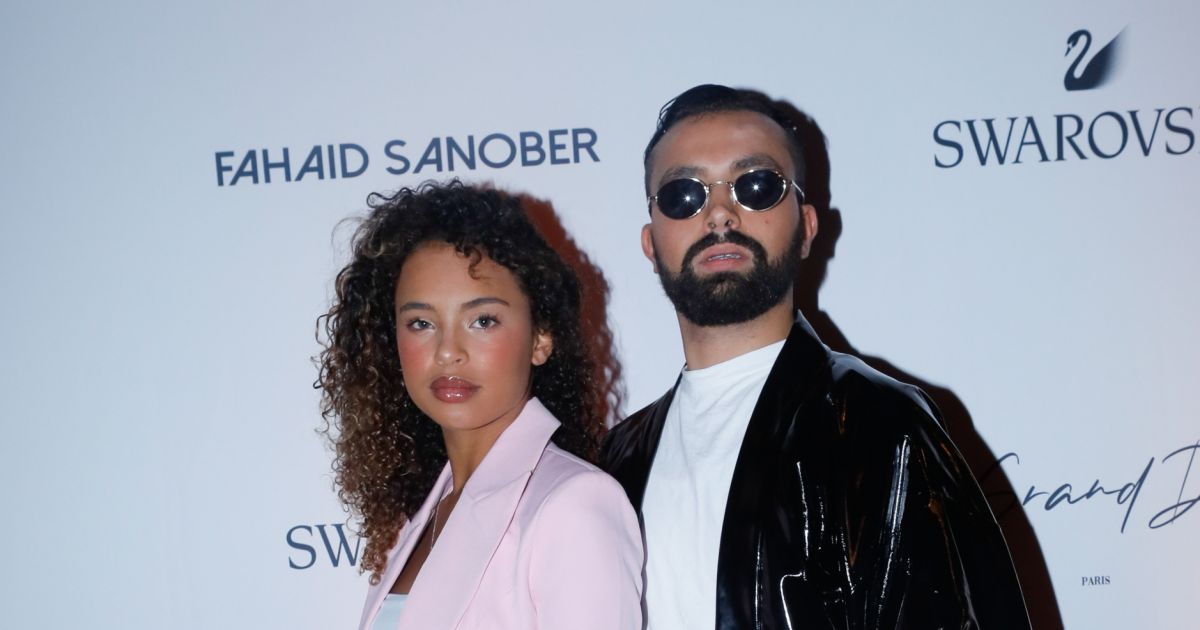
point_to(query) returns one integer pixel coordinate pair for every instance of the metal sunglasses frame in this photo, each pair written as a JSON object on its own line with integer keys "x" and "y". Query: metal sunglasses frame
{"x": 787, "y": 183}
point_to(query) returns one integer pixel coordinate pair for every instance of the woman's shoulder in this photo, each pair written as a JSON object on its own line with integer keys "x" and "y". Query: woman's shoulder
{"x": 582, "y": 544}
{"x": 562, "y": 477}
{"x": 558, "y": 466}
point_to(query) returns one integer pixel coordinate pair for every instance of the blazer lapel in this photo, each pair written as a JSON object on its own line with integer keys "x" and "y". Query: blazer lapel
{"x": 452, "y": 573}
{"x": 406, "y": 540}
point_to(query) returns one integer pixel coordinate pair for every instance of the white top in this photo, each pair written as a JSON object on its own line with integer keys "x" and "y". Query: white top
{"x": 389, "y": 613}
{"x": 684, "y": 504}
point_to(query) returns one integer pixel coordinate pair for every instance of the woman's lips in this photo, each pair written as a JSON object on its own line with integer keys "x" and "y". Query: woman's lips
{"x": 453, "y": 389}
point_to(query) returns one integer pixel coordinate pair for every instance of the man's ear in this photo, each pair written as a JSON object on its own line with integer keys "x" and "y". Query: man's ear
{"x": 808, "y": 221}
{"x": 543, "y": 347}
{"x": 648, "y": 247}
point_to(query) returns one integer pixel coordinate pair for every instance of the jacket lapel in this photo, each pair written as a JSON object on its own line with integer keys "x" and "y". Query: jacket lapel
{"x": 799, "y": 373}
{"x": 406, "y": 540}
{"x": 452, "y": 573}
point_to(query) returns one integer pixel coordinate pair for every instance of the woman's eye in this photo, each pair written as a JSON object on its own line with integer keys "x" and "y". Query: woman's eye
{"x": 419, "y": 324}
{"x": 484, "y": 321}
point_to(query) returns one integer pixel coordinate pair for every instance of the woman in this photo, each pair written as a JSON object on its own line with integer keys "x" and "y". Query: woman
{"x": 453, "y": 345}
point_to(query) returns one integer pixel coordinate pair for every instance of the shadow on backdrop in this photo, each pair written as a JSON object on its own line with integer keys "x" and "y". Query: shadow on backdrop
{"x": 1026, "y": 552}
{"x": 594, "y": 305}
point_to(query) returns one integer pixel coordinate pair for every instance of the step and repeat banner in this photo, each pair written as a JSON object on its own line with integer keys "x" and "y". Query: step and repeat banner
{"x": 1011, "y": 222}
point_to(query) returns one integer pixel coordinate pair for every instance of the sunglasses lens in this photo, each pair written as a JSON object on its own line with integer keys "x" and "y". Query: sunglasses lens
{"x": 760, "y": 190}
{"x": 680, "y": 198}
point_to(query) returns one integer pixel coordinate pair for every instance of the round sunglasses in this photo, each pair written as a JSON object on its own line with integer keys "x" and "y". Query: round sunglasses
{"x": 756, "y": 191}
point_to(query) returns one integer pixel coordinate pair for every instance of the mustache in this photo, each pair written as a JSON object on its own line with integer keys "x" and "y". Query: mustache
{"x": 736, "y": 238}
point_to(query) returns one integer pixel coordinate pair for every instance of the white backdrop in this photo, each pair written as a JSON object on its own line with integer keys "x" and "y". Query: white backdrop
{"x": 160, "y": 462}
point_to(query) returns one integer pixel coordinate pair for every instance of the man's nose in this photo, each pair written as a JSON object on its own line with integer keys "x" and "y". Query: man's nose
{"x": 722, "y": 213}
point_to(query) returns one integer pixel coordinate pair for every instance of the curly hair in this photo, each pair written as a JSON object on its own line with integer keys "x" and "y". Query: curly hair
{"x": 387, "y": 452}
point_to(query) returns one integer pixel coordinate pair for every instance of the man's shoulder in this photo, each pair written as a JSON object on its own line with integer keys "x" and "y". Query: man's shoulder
{"x": 867, "y": 403}
{"x": 853, "y": 377}
{"x": 635, "y": 424}
{"x": 845, "y": 378}
{"x": 637, "y": 419}
{"x": 623, "y": 437}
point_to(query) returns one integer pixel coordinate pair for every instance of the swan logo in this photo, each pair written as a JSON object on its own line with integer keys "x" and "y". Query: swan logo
{"x": 1098, "y": 70}
{"x": 1100, "y": 134}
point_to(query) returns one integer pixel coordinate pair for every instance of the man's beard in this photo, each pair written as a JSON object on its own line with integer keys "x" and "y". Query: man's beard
{"x": 729, "y": 297}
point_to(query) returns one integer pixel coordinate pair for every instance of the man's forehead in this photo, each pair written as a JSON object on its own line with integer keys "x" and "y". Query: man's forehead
{"x": 737, "y": 165}
{"x": 736, "y": 140}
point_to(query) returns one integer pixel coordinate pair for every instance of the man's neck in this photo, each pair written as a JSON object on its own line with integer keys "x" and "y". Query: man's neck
{"x": 705, "y": 346}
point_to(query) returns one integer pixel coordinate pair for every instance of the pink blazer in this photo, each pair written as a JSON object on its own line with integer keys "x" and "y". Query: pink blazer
{"x": 538, "y": 539}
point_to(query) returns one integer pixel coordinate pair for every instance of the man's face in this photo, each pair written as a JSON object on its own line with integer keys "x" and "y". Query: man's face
{"x": 726, "y": 264}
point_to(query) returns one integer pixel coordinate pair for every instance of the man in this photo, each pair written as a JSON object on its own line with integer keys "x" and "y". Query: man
{"x": 782, "y": 485}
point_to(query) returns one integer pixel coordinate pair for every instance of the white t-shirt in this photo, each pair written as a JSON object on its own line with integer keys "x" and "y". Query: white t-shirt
{"x": 684, "y": 504}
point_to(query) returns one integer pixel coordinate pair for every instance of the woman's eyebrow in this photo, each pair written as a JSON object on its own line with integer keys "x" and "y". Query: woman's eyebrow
{"x": 480, "y": 301}
{"x": 413, "y": 306}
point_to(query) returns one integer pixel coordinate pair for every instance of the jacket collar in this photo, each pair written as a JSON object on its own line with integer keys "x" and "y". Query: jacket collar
{"x": 641, "y": 447}
{"x": 802, "y": 365}
{"x": 452, "y": 572}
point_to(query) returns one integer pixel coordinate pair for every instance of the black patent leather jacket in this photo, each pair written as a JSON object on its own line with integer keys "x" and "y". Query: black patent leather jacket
{"x": 849, "y": 508}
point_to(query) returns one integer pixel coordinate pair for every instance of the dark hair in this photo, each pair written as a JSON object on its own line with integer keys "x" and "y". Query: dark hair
{"x": 387, "y": 452}
{"x": 712, "y": 99}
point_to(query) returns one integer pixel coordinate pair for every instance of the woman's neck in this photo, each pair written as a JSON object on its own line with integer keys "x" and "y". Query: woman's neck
{"x": 466, "y": 448}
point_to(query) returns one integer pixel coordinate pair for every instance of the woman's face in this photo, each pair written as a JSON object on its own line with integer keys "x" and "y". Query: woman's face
{"x": 465, "y": 338}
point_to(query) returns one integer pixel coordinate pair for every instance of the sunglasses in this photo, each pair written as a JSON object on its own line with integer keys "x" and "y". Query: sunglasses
{"x": 756, "y": 191}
